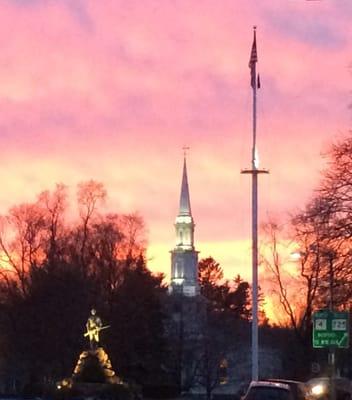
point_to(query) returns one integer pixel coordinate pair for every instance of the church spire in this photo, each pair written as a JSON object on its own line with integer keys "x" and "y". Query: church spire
{"x": 185, "y": 203}
{"x": 184, "y": 257}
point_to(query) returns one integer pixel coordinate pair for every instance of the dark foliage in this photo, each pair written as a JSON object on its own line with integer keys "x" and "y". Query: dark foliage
{"x": 58, "y": 271}
{"x": 223, "y": 296}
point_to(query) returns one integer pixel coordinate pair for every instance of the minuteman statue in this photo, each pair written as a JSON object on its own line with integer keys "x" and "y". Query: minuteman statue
{"x": 94, "y": 326}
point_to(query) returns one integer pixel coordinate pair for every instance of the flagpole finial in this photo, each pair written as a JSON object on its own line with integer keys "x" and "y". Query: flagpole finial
{"x": 254, "y": 27}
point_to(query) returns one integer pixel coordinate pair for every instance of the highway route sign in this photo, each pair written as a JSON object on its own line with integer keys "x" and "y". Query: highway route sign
{"x": 330, "y": 329}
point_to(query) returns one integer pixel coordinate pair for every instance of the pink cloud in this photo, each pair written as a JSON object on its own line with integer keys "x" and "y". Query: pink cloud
{"x": 113, "y": 91}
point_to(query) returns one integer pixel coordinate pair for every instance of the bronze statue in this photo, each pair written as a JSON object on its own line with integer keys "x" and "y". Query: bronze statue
{"x": 94, "y": 326}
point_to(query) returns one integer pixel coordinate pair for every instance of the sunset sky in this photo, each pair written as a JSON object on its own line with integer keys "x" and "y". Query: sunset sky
{"x": 112, "y": 90}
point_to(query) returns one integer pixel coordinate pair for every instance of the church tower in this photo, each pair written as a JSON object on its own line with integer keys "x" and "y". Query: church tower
{"x": 184, "y": 257}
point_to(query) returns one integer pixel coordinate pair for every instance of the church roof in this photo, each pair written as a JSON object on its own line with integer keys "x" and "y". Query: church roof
{"x": 185, "y": 203}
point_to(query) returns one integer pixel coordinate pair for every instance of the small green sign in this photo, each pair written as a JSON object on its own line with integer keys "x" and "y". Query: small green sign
{"x": 330, "y": 328}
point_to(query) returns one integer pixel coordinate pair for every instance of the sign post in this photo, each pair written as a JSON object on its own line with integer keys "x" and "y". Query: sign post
{"x": 330, "y": 329}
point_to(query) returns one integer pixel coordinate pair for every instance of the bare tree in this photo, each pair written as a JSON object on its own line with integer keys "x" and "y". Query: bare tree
{"x": 89, "y": 195}
{"x": 322, "y": 233}
{"x": 210, "y": 366}
{"x": 291, "y": 286}
{"x": 54, "y": 205}
{"x": 21, "y": 239}
{"x": 133, "y": 243}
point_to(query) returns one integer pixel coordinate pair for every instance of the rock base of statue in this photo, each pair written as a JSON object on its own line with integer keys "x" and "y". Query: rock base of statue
{"x": 94, "y": 366}
{"x": 93, "y": 376}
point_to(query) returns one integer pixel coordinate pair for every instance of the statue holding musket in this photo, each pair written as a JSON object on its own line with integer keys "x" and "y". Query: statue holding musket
{"x": 94, "y": 325}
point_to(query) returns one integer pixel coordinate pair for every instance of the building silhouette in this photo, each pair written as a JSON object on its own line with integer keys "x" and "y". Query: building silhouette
{"x": 207, "y": 349}
{"x": 186, "y": 307}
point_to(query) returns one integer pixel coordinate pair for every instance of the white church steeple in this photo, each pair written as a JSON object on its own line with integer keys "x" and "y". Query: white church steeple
{"x": 184, "y": 222}
{"x": 185, "y": 203}
{"x": 184, "y": 258}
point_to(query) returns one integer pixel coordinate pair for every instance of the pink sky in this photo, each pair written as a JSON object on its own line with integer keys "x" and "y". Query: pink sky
{"x": 112, "y": 90}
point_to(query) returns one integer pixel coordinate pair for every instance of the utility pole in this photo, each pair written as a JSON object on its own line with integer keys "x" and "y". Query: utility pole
{"x": 331, "y": 357}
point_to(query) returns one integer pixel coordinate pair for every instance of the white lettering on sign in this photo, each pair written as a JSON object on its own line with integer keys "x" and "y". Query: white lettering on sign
{"x": 339, "y": 325}
{"x": 320, "y": 324}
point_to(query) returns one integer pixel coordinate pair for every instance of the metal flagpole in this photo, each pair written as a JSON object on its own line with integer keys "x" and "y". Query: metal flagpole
{"x": 254, "y": 171}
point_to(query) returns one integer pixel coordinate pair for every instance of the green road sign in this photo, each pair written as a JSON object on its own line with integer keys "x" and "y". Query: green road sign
{"x": 330, "y": 328}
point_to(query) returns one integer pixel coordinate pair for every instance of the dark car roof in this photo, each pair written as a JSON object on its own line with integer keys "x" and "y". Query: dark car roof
{"x": 268, "y": 390}
{"x": 284, "y": 380}
{"x": 290, "y": 382}
{"x": 299, "y": 389}
{"x": 270, "y": 383}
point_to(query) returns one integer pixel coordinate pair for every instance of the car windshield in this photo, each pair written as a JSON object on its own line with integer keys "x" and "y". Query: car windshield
{"x": 268, "y": 393}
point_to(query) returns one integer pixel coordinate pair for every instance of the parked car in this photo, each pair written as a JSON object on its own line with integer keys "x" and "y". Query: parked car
{"x": 300, "y": 390}
{"x": 268, "y": 390}
{"x": 320, "y": 388}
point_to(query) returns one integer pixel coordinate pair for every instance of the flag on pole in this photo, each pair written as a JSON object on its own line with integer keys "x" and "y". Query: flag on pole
{"x": 252, "y": 61}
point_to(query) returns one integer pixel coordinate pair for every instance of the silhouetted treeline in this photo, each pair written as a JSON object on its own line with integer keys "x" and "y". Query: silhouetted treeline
{"x": 320, "y": 233}
{"x": 55, "y": 269}
{"x": 57, "y": 264}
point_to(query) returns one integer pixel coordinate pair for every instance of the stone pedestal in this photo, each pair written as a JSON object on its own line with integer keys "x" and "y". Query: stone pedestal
{"x": 93, "y": 376}
{"x": 94, "y": 366}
